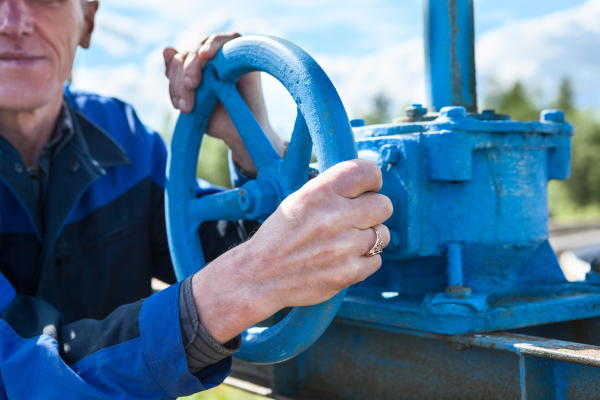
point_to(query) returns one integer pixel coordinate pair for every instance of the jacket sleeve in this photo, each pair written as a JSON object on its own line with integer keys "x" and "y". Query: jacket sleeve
{"x": 135, "y": 353}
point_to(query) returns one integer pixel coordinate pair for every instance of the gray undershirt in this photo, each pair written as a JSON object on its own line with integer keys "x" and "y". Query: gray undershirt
{"x": 201, "y": 350}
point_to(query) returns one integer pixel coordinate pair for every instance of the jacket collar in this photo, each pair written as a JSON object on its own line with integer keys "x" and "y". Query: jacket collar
{"x": 83, "y": 159}
{"x": 97, "y": 144}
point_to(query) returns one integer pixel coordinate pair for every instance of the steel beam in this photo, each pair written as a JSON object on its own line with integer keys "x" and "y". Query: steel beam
{"x": 364, "y": 362}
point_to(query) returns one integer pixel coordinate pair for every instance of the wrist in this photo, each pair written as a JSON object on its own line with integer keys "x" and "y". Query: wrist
{"x": 227, "y": 299}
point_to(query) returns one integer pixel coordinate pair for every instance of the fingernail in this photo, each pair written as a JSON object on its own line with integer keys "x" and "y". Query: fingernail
{"x": 182, "y": 104}
{"x": 203, "y": 49}
{"x": 188, "y": 82}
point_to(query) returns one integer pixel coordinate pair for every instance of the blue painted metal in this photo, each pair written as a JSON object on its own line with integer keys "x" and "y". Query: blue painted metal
{"x": 356, "y": 123}
{"x": 469, "y": 251}
{"x": 354, "y": 361}
{"x": 321, "y": 120}
{"x": 450, "y": 54}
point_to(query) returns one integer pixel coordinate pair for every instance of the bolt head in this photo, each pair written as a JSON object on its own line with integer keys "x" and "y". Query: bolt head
{"x": 552, "y": 116}
{"x": 245, "y": 201}
{"x": 453, "y": 112}
{"x": 458, "y": 292}
{"x": 357, "y": 123}
{"x": 390, "y": 154}
{"x": 415, "y": 111}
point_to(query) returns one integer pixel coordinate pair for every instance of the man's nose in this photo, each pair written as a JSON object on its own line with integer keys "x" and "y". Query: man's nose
{"x": 15, "y": 19}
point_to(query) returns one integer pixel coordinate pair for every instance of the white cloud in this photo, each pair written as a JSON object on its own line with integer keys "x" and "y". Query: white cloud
{"x": 144, "y": 86}
{"x": 396, "y": 71}
{"x": 541, "y": 51}
{"x": 120, "y": 35}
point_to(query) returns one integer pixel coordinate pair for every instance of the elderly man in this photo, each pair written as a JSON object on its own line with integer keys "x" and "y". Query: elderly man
{"x": 83, "y": 230}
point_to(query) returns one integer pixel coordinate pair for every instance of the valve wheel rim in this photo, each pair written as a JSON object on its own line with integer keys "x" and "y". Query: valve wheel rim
{"x": 321, "y": 120}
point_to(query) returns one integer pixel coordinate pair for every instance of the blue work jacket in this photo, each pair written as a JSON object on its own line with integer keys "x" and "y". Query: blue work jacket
{"x": 74, "y": 271}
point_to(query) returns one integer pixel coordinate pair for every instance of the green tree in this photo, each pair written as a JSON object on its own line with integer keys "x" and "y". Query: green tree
{"x": 380, "y": 110}
{"x": 212, "y": 163}
{"x": 581, "y": 192}
{"x": 583, "y": 187}
{"x": 515, "y": 102}
{"x": 564, "y": 100}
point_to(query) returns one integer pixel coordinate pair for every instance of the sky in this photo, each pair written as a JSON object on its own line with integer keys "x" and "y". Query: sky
{"x": 365, "y": 46}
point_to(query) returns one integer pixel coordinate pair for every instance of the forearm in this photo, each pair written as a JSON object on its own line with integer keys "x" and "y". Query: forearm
{"x": 225, "y": 297}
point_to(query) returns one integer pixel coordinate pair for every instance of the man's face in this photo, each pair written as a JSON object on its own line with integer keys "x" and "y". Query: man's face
{"x": 38, "y": 40}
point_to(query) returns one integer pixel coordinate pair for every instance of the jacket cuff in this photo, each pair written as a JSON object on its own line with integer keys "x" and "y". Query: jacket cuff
{"x": 160, "y": 332}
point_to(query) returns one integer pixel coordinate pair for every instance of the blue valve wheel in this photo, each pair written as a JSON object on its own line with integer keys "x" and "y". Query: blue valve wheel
{"x": 321, "y": 120}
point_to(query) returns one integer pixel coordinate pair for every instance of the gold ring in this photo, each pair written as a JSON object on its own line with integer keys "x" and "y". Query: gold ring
{"x": 378, "y": 248}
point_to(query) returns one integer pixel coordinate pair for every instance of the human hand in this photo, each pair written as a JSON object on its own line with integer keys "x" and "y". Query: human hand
{"x": 184, "y": 71}
{"x": 311, "y": 248}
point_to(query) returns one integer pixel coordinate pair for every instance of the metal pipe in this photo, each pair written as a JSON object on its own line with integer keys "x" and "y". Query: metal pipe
{"x": 450, "y": 54}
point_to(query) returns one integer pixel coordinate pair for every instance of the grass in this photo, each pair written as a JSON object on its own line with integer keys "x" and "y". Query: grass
{"x": 224, "y": 392}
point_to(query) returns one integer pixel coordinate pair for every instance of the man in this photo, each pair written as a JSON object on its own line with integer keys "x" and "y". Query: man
{"x": 83, "y": 230}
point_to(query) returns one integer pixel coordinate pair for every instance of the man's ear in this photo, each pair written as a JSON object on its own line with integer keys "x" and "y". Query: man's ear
{"x": 89, "y": 16}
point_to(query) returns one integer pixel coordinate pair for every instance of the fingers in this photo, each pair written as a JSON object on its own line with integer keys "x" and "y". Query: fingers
{"x": 175, "y": 74}
{"x": 168, "y": 55}
{"x": 352, "y": 178}
{"x": 214, "y": 43}
{"x": 365, "y": 239}
{"x": 368, "y": 209}
{"x": 184, "y": 70}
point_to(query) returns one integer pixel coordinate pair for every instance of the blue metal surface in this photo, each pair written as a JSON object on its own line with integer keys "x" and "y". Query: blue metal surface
{"x": 469, "y": 250}
{"x": 449, "y": 54}
{"x": 321, "y": 121}
{"x": 353, "y": 361}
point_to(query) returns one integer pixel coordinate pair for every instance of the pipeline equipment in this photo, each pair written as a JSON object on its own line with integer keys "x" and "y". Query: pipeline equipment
{"x": 470, "y": 302}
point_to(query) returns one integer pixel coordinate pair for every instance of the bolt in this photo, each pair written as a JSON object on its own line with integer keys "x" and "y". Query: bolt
{"x": 552, "y": 116}
{"x": 458, "y": 292}
{"x": 416, "y": 111}
{"x": 488, "y": 115}
{"x": 357, "y": 123}
{"x": 453, "y": 112}
{"x": 257, "y": 199}
{"x": 245, "y": 201}
{"x": 390, "y": 154}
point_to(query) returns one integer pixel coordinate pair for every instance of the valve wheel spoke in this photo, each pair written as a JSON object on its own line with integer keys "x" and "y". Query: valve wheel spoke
{"x": 215, "y": 207}
{"x": 260, "y": 148}
{"x": 297, "y": 158}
